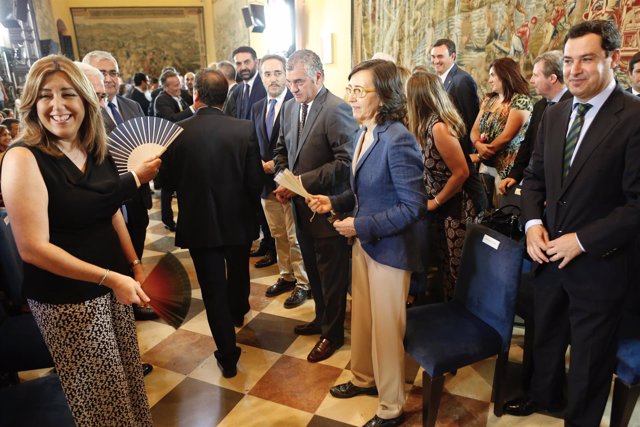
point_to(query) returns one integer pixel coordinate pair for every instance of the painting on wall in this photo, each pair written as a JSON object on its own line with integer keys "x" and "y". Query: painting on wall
{"x": 484, "y": 30}
{"x": 230, "y": 31}
{"x": 145, "y": 39}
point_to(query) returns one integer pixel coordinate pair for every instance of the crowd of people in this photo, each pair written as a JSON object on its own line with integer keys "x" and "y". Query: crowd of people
{"x": 400, "y": 152}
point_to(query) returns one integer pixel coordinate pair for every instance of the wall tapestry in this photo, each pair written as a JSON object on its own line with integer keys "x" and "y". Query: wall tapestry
{"x": 146, "y": 39}
{"x": 483, "y": 30}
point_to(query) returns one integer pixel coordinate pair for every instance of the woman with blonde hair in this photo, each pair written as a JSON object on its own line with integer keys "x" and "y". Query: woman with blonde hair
{"x": 62, "y": 196}
{"x": 438, "y": 127}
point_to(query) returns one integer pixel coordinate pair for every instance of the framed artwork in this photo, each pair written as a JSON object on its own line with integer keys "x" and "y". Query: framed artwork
{"x": 143, "y": 39}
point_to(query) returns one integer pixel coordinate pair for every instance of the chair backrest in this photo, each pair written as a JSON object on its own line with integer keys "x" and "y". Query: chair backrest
{"x": 10, "y": 266}
{"x": 488, "y": 278}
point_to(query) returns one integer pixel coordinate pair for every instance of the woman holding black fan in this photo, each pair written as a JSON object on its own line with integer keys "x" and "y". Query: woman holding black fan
{"x": 61, "y": 193}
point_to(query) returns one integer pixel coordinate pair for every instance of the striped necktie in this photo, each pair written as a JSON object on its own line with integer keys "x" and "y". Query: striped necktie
{"x": 271, "y": 115}
{"x": 573, "y": 136}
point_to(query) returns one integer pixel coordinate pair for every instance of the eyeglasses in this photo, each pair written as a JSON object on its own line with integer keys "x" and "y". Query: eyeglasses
{"x": 357, "y": 91}
{"x": 110, "y": 73}
{"x": 101, "y": 95}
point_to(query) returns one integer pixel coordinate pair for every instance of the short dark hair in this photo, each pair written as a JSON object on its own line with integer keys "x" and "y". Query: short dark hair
{"x": 389, "y": 88}
{"x": 212, "y": 87}
{"x": 165, "y": 75}
{"x": 607, "y": 30}
{"x": 9, "y": 122}
{"x": 138, "y": 78}
{"x": 451, "y": 46}
{"x": 632, "y": 62}
{"x": 244, "y": 49}
{"x": 277, "y": 57}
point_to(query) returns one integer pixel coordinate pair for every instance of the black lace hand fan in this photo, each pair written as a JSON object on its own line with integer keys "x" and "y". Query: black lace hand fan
{"x": 139, "y": 139}
{"x": 169, "y": 288}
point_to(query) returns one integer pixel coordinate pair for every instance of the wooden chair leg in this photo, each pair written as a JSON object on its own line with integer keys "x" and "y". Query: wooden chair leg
{"x": 431, "y": 395}
{"x": 499, "y": 376}
{"x": 624, "y": 400}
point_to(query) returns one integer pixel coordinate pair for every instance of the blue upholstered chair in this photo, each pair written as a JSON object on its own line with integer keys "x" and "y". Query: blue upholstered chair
{"x": 626, "y": 388}
{"x": 475, "y": 325}
{"x": 38, "y": 402}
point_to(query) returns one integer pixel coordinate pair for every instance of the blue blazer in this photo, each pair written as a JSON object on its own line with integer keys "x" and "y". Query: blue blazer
{"x": 388, "y": 198}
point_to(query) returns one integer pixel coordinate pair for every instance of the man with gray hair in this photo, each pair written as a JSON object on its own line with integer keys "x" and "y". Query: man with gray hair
{"x": 117, "y": 109}
{"x": 316, "y": 131}
{"x": 229, "y": 71}
{"x": 548, "y": 81}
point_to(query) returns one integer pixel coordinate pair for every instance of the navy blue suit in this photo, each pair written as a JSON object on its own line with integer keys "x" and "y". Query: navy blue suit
{"x": 257, "y": 92}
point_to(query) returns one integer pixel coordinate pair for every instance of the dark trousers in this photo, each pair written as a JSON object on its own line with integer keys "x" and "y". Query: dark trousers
{"x": 166, "y": 211}
{"x": 237, "y": 261}
{"x": 593, "y": 326}
{"x": 327, "y": 264}
{"x": 210, "y": 269}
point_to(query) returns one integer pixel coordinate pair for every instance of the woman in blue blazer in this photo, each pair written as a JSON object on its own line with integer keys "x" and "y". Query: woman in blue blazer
{"x": 385, "y": 204}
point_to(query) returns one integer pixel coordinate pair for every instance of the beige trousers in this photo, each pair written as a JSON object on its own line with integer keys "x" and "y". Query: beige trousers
{"x": 283, "y": 229}
{"x": 378, "y": 320}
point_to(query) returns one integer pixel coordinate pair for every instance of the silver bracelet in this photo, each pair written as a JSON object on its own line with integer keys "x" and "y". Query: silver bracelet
{"x": 106, "y": 272}
{"x": 134, "y": 263}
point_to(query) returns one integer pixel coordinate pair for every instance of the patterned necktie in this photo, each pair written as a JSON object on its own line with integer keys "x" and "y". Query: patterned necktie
{"x": 244, "y": 110}
{"x": 271, "y": 113}
{"x": 573, "y": 136}
{"x": 116, "y": 115}
{"x": 303, "y": 118}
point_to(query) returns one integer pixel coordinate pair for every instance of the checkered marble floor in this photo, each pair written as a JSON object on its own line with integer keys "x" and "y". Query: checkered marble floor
{"x": 275, "y": 385}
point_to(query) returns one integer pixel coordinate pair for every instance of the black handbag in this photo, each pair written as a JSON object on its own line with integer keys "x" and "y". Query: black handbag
{"x": 505, "y": 220}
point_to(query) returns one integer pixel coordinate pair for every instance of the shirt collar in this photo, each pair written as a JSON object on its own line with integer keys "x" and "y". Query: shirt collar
{"x": 279, "y": 99}
{"x": 560, "y": 94}
{"x": 443, "y": 77}
{"x": 598, "y": 100}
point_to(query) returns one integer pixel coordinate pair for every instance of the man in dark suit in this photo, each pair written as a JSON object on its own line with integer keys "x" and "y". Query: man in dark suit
{"x": 187, "y": 92}
{"x": 140, "y": 92}
{"x": 245, "y": 94}
{"x": 100, "y": 67}
{"x": 581, "y": 200}
{"x": 316, "y": 132}
{"x": 634, "y": 74}
{"x": 266, "y": 118}
{"x": 459, "y": 85}
{"x": 548, "y": 81}
{"x": 229, "y": 71}
{"x": 170, "y": 105}
{"x": 251, "y": 89}
{"x": 214, "y": 166}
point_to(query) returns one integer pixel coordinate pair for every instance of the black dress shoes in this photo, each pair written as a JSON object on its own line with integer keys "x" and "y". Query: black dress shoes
{"x": 322, "y": 350}
{"x": 376, "y": 421}
{"x": 266, "y": 261}
{"x": 171, "y": 226}
{"x": 227, "y": 362}
{"x": 146, "y": 369}
{"x": 261, "y": 251}
{"x": 524, "y": 406}
{"x": 144, "y": 313}
{"x": 280, "y": 287}
{"x": 348, "y": 389}
{"x": 297, "y": 297}
{"x": 307, "y": 329}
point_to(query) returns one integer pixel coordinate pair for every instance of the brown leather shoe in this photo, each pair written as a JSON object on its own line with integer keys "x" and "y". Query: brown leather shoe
{"x": 322, "y": 350}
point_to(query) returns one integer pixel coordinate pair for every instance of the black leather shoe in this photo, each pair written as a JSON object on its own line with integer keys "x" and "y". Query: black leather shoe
{"x": 261, "y": 251}
{"x": 280, "y": 287}
{"x": 144, "y": 313}
{"x": 171, "y": 226}
{"x": 146, "y": 369}
{"x": 307, "y": 329}
{"x": 266, "y": 261}
{"x": 323, "y": 349}
{"x": 524, "y": 406}
{"x": 348, "y": 389}
{"x": 297, "y": 297}
{"x": 376, "y": 421}
{"x": 229, "y": 371}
